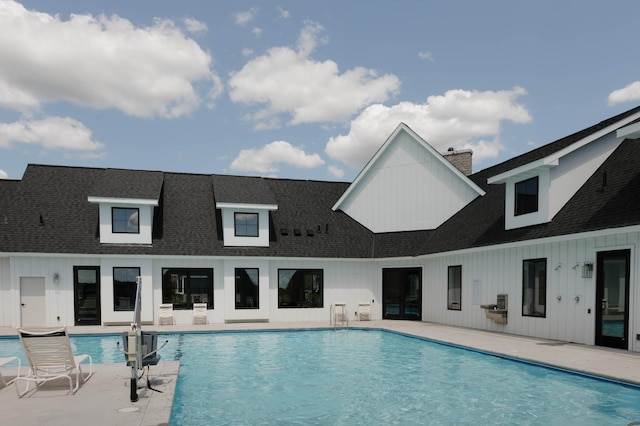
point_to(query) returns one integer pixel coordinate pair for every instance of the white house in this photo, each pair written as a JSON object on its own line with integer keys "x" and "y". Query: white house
{"x": 544, "y": 244}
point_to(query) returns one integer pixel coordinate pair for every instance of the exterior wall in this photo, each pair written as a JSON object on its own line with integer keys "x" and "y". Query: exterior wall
{"x": 485, "y": 274}
{"x": 59, "y": 307}
{"x": 407, "y": 189}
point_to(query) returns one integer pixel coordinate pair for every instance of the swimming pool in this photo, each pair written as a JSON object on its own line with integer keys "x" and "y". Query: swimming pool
{"x": 368, "y": 377}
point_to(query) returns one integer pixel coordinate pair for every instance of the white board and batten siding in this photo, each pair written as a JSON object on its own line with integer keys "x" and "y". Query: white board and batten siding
{"x": 499, "y": 271}
{"x": 407, "y": 188}
{"x": 59, "y": 307}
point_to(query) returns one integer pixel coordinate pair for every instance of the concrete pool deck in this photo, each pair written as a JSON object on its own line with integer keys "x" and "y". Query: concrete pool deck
{"x": 104, "y": 398}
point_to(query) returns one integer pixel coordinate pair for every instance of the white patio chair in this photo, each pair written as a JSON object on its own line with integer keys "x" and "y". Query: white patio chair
{"x": 165, "y": 315}
{"x": 364, "y": 312}
{"x": 50, "y": 357}
{"x": 199, "y": 313}
{"x": 339, "y": 314}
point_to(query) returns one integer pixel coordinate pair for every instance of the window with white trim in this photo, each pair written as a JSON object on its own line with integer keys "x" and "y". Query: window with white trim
{"x": 246, "y": 224}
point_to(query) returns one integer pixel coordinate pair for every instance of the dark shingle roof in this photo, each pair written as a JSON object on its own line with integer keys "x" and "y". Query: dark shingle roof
{"x": 120, "y": 183}
{"x": 48, "y": 212}
{"x": 593, "y": 207}
{"x": 241, "y": 189}
{"x": 186, "y": 221}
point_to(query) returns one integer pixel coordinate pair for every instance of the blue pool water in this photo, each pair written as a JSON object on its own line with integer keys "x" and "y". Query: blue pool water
{"x": 360, "y": 377}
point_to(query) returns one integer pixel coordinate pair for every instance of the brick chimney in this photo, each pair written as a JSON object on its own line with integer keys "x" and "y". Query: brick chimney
{"x": 460, "y": 159}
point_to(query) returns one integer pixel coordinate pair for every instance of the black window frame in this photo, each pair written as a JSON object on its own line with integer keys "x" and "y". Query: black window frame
{"x": 127, "y": 215}
{"x": 173, "y": 291}
{"x": 120, "y": 290}
{"x": 454, "y": 281}
{"x": 299, "y": 290}
{"x": 530, "y": 269}
{"x": 243, "y": 282}
{"x": 242, "y": 229}
{"x": 526, "y": 196}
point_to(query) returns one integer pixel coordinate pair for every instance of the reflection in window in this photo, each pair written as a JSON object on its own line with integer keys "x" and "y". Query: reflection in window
{"x": 454, "y": 293}
{"x": 125, "y": 220}
{"x": 300, "y": 288}
{"x": 534, "y": 288}
{"x": 124, "y": 288}
{"x": 247, "y": 288}
{"x": 246, "y": 224}
{"x": 185, "y": 286}
{"x": 526, "y": 196}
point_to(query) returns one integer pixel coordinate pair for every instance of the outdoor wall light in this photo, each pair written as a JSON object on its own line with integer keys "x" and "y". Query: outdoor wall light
{"x": 56, "y": 278}
{"x": 557, "y": 268}
{"x": 587, "y": 270}
{"x": 574, "y": 267}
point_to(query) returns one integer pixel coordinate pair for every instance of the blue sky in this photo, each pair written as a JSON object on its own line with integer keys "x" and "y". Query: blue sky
{"x": 302, "y": 89}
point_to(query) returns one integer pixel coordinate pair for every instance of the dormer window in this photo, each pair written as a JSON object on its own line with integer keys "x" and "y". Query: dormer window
{"x": 246, "y": 224}
{"x": 125, "y": 220}
{"x": 526, "y": 196}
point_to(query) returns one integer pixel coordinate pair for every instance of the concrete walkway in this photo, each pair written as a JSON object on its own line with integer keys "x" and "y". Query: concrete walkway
{"x": 104, "y": 398}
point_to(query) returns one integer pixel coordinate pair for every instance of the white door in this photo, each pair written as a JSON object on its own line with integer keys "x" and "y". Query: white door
{"x": 32, "y": 304}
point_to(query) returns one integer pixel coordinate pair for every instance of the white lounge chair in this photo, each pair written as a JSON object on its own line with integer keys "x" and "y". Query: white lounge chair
{"x": 50, "y": 357}
{"x": 364, "y": 312}
{"x": 199, "y": 313}
{"x": 165, "y": 316}
{"x": 5, "y": 361}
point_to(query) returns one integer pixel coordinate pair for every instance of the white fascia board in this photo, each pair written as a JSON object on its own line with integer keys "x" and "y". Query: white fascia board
{"x": 631, "y": 131}
{"x": 247, "y": 206}
{"x": 111, "y": 200}
{"x": 524, "y": 170}
{"x": 383, "y": 148}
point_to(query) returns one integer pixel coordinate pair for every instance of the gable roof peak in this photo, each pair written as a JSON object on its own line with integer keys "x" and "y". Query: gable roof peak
{"x": 403, "y": 127}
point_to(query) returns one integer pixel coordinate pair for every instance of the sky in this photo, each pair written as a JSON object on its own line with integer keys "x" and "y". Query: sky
{"x": 303, "y": 89}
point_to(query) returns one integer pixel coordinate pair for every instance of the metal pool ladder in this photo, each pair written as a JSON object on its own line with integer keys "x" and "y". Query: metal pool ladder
{"x": 339, "y": 316}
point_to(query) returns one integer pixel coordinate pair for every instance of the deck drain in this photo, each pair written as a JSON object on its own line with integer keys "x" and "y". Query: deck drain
{"x": 128, "y": 409}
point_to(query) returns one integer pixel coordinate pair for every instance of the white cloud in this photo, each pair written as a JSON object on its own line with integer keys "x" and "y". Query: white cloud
{"x": 51, "y": 133}
{"x": 629, "y": 93}
{"x": 100, "y": 62}
{"x": 425, "y": 55}
{"x": 460, "y": 118}
{"x": 247, "y": 52}
{"x": 335, "y": 171}
{"x": 265, "y": 159}
{"x": 3, "y": 174}
{"x": 290, "y": 82}
{"x": 242, "y": 18}
{"x": 194, "y": 26}
{"x": 283, "y": 13}
{"x": 257, "y": 31}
